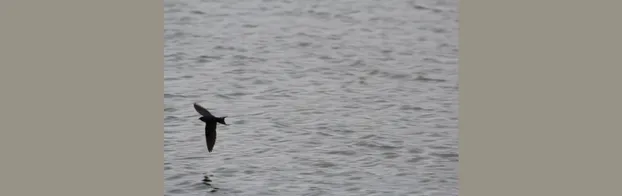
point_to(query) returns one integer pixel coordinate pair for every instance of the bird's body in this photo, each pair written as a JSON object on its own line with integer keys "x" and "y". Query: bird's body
{"x": 210, "y": 125}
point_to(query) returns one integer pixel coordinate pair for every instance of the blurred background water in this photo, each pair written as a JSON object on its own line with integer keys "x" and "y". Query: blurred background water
{"x": 343, "y": 97}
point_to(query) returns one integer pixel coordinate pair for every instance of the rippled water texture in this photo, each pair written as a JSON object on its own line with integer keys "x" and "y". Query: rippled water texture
{"x": 343, "y": 97}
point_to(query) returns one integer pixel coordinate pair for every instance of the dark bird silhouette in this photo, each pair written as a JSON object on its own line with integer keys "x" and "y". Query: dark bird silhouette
{"x": 210, "y": 125}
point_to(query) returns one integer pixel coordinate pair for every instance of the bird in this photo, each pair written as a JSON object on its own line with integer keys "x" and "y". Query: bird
{"x": 210, "y": 125}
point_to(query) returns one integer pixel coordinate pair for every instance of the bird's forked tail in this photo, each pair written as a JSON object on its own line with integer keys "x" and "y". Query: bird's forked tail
{"x": 221, "y": 120}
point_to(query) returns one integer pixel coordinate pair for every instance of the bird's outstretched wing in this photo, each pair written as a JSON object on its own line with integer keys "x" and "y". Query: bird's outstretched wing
{"x": 210, "y": 135}
{"x": 201, "y": 110}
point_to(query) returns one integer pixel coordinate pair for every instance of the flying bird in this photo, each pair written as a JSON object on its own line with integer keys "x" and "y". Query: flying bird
{"x": 210, "y": 125}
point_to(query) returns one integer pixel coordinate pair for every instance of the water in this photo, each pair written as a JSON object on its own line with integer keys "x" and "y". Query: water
{"x": 346, "y": 97}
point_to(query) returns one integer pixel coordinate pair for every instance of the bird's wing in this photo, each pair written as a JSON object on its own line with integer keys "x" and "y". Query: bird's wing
{"x": 210, "y": 135}
{"x": 202, "y": 110}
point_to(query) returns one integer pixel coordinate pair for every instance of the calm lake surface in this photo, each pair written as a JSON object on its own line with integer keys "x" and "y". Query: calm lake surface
{"x": 343, "y": 97}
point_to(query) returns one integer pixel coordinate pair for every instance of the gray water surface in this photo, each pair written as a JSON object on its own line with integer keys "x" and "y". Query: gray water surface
{"x": 342, "y": 97}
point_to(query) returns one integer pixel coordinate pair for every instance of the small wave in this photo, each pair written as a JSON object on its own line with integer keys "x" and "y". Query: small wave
{"x": 416, "y": 159}
{"x": 342, "y": 152}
